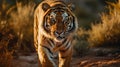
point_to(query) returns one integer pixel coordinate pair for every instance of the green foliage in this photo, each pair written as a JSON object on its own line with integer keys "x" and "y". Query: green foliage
{"x": 107, "y": 33}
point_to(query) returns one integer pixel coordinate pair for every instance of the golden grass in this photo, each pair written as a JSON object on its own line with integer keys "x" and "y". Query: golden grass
{"x": 16, "y": 31}
{"x": 107, "y": 33}
{"x": 5, "y": 59}
{"x": 22, "y": 22}
{"x": 5, "y": 49}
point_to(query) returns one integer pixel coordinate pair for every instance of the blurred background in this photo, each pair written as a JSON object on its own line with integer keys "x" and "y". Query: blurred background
{"x": 98, "y": 28}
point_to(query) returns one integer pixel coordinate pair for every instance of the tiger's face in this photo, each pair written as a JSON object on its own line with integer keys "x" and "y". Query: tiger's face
{"x": 59, "y": 23}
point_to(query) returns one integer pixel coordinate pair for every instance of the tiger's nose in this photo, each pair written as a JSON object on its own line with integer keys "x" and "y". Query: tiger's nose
{"x": 58, "y": 32}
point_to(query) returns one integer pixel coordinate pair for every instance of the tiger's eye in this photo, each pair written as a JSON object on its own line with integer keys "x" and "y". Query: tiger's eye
{"x": 53, "y": 20}
{"x": 70, "y": 25}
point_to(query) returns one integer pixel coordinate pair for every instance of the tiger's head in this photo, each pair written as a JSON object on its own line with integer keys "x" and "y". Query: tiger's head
{"x": 59, "y": 22}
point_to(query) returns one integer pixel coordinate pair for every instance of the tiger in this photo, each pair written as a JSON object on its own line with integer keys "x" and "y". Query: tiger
{"x": 55, "y": 25}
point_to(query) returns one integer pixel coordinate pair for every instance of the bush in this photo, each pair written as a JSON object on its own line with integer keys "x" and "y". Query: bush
{"x": 16, "y": 31}
{"x": 8, "y": 44}
{"x": 107, "y": 33}
{"x": 81, "y": 44}
{"x": 22, "y": 22}
{"x": 8, "y": 38}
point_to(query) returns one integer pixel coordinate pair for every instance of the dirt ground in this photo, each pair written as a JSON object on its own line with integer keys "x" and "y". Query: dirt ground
{"x": 77, "y": 61}
{"x": 96, "y": 62}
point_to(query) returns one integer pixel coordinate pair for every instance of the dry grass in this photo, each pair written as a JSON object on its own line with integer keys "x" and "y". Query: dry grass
{"x": 7, "y": 47}
{"x": 16, "y": 31}
{"x": 5, "y": 55}
{"x": 5, "y": 38}
{"x": 22, "y": 22}
{"x": 107, "y": 33}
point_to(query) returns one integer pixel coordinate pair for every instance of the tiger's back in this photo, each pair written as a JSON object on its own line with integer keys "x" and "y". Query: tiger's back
{"x": 54, "y": 27}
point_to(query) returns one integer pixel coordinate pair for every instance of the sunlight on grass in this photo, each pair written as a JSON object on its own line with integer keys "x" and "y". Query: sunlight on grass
{"x": 16, "y": 30}
{"x": 16, "y": 27}
{"x": 107, "y": 33}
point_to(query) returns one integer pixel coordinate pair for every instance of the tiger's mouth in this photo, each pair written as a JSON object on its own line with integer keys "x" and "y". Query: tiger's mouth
{"x": 59, "y": 39}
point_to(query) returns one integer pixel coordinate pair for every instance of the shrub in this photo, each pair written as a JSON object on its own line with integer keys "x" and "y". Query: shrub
{"x": 8, "y": 43}
{"x": 8, "y": 39}
{"x": 22, "y": 22}
{"x": 107, "y": 32}
{"x": 81, "y": 44}
{"x": 16, "y": 31}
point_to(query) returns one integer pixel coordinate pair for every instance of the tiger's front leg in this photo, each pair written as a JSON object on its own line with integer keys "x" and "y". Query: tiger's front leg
{"x": 44, "y": 57}
{"x": 65, "y": 57}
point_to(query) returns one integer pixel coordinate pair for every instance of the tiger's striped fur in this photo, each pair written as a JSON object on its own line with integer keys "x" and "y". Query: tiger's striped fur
{"x": 54, "y": 27}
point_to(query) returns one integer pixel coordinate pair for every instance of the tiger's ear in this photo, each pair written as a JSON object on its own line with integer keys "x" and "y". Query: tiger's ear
{"x": 45, "y": 6}
{"x": 71, "y": 6}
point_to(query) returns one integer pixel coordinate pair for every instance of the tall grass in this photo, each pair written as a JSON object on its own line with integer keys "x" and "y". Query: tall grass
{"x": 107, "y": 32}
{"x": 22, "y": 21}
{"x": 16, "y": 31}
{"x": 7, "y": 45}
{"x": 5, "y": 37}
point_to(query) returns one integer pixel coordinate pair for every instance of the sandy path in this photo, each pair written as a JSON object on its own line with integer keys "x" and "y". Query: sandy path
{"x": 87, "y": 61}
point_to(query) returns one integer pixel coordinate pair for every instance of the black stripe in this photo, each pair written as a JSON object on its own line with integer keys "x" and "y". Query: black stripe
{"x": 62, "y": 43}
{"x": 66, "y": 48}
{"x": 48, "y": 49}
{"x": 50, "y": 41}
{"x": 73, "y": 28}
